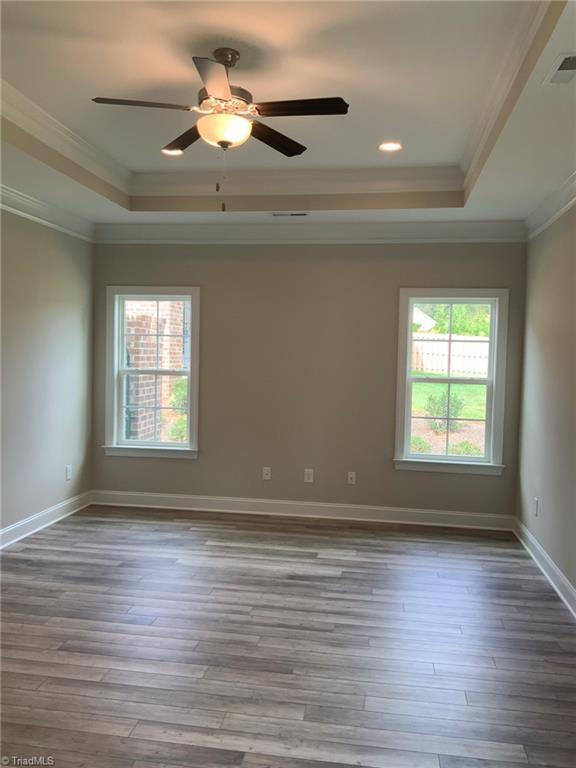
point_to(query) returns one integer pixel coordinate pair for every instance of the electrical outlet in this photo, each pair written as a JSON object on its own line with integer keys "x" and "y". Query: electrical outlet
{"x": 266, "y": 473}
{"x": 536, "y": 506}
{"x": 351, "y": 478}
{"x": 308, "y": 475}
{"x": 68, "y": 471}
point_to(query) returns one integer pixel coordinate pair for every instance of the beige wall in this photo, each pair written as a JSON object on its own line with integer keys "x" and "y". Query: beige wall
{"x": 46, "y": 366}
{"x": 548, "y": 438}
{"x": 298, "y": 369}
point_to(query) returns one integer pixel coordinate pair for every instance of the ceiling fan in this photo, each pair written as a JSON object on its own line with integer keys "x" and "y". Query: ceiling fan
{"x": 227, "y": 112}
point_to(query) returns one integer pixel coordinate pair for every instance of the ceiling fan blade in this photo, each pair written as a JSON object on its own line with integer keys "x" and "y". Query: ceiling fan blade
{"x": 330, "y": 106}
{"x": 133, "y": 103}
{"x": 214, "y": 76}
{"x": 276, "y": 140}
{"x": 183, "y": 141}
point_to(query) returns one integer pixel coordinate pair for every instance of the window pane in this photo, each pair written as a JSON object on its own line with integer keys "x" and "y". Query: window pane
{"x": 429, "y": 357}
{"x": 470, "y": 333}
{"x": 140, "y": 391}
{"x": 172, "y": 392}
{"x": 140, "y": 351}
{"x": 471, "y": 321}
{"x": 140, "y": 316}
{"x": 428, "y": 436}
{"x": 430, "y": 325}
{"x": 172, "y": 426}
{"x": 172, "y": 317}
{"x": 429, "y": 422}
{"x": 430, "y": 400}
{"x": 139, "y": 424}
{"x": 171, "y": 352}
{"x": 431, "y": 319}
{"x": 469, "y": 359}
{"x": 467, "y": 438}
{"x": 468, "y": 401}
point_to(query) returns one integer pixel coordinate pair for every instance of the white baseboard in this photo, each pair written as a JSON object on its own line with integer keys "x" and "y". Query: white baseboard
{"x": 29, "y": 525}
{"x": 310, "y": 509}
{"x": 566, "y": 591}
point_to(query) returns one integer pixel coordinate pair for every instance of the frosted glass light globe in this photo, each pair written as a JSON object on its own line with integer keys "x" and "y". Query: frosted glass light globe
{"x": 224, "y": 130}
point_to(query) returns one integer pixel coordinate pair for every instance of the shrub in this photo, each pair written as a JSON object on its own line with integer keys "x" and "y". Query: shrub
{"x": 179, "y": 394}
{"x": 437, "y": 409}
{"x": 465, "y": 448}
{"x": 419, "y": 445}
{"x": 178, "y": 429}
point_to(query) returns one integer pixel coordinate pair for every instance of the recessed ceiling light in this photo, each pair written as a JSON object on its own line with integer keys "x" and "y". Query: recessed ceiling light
{"x": 172, "y": 152}
{"x": 390, "y": 146}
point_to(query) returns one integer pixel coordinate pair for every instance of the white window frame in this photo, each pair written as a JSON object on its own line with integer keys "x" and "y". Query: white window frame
{"x": 114, "y": 445}
{"x": 491, "y": 464}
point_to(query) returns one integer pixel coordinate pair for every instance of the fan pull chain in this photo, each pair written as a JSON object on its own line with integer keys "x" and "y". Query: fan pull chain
{"x": 223, "y": 178}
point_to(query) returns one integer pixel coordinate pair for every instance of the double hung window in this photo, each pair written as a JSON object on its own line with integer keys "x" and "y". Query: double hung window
{"x": 152, "y": 392}
{"x": 451, "y": 379}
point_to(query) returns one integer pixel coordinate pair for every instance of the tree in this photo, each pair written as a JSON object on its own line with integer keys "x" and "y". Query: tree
{"x": 467, "y": 319}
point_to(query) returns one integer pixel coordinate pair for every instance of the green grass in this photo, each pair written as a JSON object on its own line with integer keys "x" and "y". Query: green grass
{"x": 472, "y": 395}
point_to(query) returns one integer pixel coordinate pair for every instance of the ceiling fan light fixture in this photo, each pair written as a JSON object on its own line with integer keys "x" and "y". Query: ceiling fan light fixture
{"x": 229, "y": 115}
{"x": 390, "y": 146}
{"x": 224, "y": 130}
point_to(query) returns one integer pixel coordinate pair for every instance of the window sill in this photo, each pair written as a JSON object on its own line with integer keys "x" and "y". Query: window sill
{"x": 455, "y": 467}
{"x": 150, "y": 452}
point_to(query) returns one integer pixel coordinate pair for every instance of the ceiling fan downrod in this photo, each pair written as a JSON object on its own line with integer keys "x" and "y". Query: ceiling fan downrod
{"x": 226, "y": 56}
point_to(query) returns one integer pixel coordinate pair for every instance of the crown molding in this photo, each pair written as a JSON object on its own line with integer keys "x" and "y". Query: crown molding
{"x": 520, "y": 41}
{"x": 525, "y": 51}
{"x": 27, "y": 115}
{"x": 296, "y": 232}
{"x": 552, "y": 207}
{"x": 315, "y": 181}
{"x": 262, "y": 233}
{"x": 21, "y": 204}
{"x": 326, "y": 202}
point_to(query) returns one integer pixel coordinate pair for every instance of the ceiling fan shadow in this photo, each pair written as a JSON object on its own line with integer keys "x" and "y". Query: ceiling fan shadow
{"x": 255, "y": 56}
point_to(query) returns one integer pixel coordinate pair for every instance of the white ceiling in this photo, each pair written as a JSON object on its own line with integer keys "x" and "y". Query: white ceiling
{"x": 427, "y": 73}
{"x": 418, "y": 71}
{"x": 536, "y": 152}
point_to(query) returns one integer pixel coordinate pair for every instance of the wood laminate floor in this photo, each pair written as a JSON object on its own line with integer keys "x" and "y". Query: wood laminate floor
{"x": 145, "y": 639}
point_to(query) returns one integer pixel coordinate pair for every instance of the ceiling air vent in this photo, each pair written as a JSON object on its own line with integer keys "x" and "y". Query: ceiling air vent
{"x": 565, "y": 70}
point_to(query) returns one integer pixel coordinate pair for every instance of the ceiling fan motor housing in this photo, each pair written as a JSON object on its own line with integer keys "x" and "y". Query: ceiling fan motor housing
{"x": 238, "y": 93}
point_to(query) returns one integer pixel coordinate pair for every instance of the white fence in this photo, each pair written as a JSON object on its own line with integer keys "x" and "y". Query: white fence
{"x": 467, "y": 356}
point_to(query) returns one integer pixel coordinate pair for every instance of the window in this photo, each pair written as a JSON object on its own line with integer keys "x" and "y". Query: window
{"x": 451, "y": 378}
{"x": 152, "y": 372}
